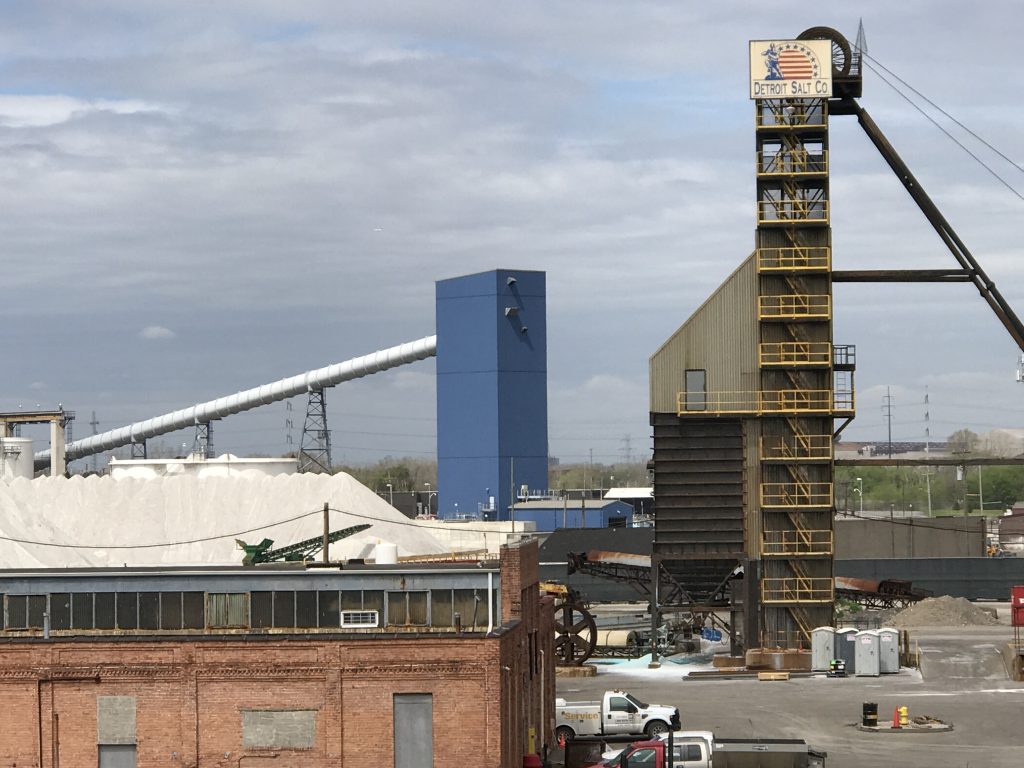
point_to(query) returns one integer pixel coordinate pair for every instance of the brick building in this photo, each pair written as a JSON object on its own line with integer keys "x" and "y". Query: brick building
{"x": 410, "y": 665}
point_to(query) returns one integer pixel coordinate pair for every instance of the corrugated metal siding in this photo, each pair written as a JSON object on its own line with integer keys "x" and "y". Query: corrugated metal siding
{"x": 726, "y": 321}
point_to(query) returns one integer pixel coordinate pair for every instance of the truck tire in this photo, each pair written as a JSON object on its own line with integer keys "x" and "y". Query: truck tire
{"x": 564, "y": 734}
{"x": 655, "y": 728}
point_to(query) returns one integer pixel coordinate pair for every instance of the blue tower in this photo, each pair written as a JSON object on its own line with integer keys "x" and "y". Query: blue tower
{"x": 492, "y": 399}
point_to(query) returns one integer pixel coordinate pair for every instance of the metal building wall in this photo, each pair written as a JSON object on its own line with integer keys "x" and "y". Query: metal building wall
{"x": 726, "y": 321}
{"x": 492, "y": 407}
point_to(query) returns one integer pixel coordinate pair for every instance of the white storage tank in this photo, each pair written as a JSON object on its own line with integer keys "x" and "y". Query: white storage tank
{"x": 386, "y": 553}
{"x": 823, "y": 648}
{"x": 867, "y": 653}
{"x": 888, "y": 650}
{"x": 16, "y": 458}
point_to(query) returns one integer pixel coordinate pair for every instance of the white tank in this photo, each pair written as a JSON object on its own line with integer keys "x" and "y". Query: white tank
{"x": 386, "y": 553}
{"x": 15, "y": 458}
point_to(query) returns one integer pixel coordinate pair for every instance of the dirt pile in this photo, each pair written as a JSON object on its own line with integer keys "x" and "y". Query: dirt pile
{"x": 943, "y": 611}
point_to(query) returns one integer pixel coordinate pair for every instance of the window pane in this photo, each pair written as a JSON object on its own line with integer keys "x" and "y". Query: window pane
{"x": 261, "y": 604}
{"x": 351, "y": 600}
{"x": 696, "y": 388}
{"x": 418, "y": 608}
{"x": 170, "y": 610}
{"x": 618, "y": 704}
{"x": 305, "y": 609}
{"x": 441, "y": 608}
{"x": 60, "y": 610}
{"x": 397, "y": 613}
{"x": 329, "y": 612}
{"x": 104, "y": 610}
{"x": 470, "y": 607}
{"x": 36, "y": 609}
{"x": 373, "y": 600}
{"x": 81, "y": 610}
{"x": 149, "y": 610}
{"x": 191, "y": 610}
{"x": 284, "y": 609}
{"x": 127, "y": 610}
{"x": 17, "y": 611}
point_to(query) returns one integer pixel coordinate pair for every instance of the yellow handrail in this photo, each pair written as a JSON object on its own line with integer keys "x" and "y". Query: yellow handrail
{"x": 791, "y": 209}
{"x": 809, "y": 258}
{"x": 796, "y": 447}
{"x": 785, "y": 162}
{"x": 779, "y": 401}
{"x": 795, "y": 353}
{"x": 805, "y": 542}
{"x": 797, "y": 590}
{"x": 794, "y": 306}
{"x": 796, "y": 495}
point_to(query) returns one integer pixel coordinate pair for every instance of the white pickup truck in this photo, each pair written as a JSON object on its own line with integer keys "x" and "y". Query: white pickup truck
{"x": 700, "y": 749}
{"x": 618, "y": 714}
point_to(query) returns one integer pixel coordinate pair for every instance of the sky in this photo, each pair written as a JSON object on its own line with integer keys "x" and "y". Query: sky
{"x": 199, "y": 198}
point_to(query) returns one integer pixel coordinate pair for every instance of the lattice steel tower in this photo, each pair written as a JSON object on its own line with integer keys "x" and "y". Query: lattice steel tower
{"x": 806, "y": 382}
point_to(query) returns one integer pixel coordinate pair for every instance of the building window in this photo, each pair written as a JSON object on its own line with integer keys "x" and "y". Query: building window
{"x": 104, "y": 610}
{"x": 328, "y": 609}
{"x": 414, "y": 730}
{"x": 441, "y": 608}
{"x": 262, "y": 607}
{"x": 227, "y": 609}
{"x": 284, "y": 609}
{"x": 60, "y": 610}
{"x": 149, "y": 610}
{"x": 170, "y": 610}
{"x": 127, "y": 610}
{"x": 408, "y": 609}
{"x": 305, "y": 609}
{"x": 25, "y": 611}
{"x": 696, "y": 390}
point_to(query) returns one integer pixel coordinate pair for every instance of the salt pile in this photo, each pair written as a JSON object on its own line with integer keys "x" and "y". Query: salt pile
{"x": 943, "y": 611}
{"x": 56, "y": 522}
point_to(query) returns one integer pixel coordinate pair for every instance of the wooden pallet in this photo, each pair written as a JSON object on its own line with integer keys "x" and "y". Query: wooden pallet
{"x": 773, "y": 676}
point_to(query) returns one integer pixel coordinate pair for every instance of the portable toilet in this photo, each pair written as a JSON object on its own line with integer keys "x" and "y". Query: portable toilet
{"x": 846, "y": 648}
{"x": 888, "y": 650}
{"x": 867, "y": 653}
{"x": 823, "y": 648}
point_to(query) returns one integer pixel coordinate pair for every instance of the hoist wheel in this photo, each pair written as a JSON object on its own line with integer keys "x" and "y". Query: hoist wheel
{"x": 575, "y": 632}
{"x": 841, "y": 57}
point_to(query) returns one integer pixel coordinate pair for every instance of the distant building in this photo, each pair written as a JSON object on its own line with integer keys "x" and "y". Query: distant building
{"x": 640, "y": 499}
{"x": 551, "y": 514}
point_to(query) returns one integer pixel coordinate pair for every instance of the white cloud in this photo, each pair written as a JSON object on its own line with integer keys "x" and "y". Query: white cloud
{"x": 156, "y": 332}
{"x": 35, "y": 111}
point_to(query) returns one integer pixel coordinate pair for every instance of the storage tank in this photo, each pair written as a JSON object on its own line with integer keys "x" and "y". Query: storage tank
{"x": 16, "y": 458}
{"x": 867, "y": 653}
{"x": 846, "y": 648}
{"x": 888, "y": 650}
{"x": 386, "y": 553}
{"x": 823, "y": 648}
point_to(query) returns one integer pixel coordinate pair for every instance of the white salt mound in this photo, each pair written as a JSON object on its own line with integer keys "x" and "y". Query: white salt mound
{"x": 943, "y": 611}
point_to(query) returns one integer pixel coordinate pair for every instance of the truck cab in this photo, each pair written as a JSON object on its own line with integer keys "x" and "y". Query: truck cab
{"x": 691, "y": 753}
{"x": 617, "y": 714}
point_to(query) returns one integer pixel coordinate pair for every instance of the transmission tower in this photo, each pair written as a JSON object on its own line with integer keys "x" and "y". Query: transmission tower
{"x": 94, "y": 424}
{"x": 315, "y": 449}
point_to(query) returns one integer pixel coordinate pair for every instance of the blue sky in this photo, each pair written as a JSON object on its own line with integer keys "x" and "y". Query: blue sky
{"x": 202, "y": 198}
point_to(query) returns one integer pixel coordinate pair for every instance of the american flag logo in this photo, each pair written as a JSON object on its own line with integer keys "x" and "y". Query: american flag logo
{"x": 795, "y": 61}
{"x": 795, "y": 65}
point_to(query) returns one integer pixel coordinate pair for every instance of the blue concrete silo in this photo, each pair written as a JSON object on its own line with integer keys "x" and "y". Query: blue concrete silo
{"x": 492, "y": 405}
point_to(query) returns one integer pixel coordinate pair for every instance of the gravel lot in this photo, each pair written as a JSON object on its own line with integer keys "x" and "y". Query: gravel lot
{"x": 962, "y": 681}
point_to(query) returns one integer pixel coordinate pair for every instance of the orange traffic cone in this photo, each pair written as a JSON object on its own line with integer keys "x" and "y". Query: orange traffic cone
{"x": 896, "y": 718}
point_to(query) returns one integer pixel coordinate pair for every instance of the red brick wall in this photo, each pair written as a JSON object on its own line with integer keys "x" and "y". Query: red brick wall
{"x": 487, "y": 692}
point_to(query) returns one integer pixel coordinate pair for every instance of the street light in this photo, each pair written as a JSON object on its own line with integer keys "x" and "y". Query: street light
{"x": 391, "y": 495}
{"x": 429, "y": 494}
{"x": 859, "y": 490}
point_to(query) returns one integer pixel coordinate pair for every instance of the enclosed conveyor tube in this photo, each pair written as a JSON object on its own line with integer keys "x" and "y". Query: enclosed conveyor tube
{"x": 201, "y": 413}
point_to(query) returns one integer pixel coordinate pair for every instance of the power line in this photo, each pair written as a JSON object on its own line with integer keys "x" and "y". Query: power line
{"x": 950, "y": 136}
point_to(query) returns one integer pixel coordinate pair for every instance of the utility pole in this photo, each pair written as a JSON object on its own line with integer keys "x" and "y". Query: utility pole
{"x": 887, "y": 410}
{"x": 94, "y": 424}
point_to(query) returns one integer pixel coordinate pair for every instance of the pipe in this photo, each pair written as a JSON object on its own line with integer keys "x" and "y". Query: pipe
{"x": 311, "y": 381}
{"x": 490, "y": 602}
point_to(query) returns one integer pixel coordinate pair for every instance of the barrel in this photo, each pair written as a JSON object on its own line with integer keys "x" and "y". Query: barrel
{"x": 870, "y": 717}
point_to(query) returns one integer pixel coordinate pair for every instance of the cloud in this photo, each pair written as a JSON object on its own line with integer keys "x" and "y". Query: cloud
{"x": 156, "y": 332}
